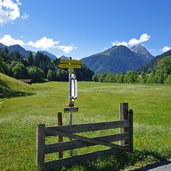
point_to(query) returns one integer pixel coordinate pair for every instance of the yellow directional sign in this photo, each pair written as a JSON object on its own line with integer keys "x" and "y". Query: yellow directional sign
{"x": 70, "y": 64}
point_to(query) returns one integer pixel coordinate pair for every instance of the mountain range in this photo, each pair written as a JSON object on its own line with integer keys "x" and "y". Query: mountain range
{"x": 24, "y": 52}
{"x": 118, "y": 59}
{"x": 151, "y": 65}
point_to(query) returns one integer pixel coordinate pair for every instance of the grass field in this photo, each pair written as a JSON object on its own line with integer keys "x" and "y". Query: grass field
{"x": 10, "y": 87}
{"x": 97, "y": 102}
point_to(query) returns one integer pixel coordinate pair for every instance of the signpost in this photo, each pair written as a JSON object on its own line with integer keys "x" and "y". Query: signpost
{"x": 72, "y": 92}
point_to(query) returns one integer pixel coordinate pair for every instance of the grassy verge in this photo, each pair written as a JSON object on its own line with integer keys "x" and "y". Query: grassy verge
{"x": 97, "y": 102}
{"x": 10, "y": 87}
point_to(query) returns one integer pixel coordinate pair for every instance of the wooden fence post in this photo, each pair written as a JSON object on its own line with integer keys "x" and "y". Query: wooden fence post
{"x": 40, "y": 146}
{"x": 130, "y": 115}
{"x": 124, "y": 116}
{"x": 60, "y": 138}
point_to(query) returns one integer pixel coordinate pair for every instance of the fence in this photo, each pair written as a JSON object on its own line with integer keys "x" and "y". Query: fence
{"x": 125, "y": 136}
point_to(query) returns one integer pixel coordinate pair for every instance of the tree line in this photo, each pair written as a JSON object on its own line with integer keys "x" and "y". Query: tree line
{"x": 37, "y": 67}
{"x": 160, "y": 75}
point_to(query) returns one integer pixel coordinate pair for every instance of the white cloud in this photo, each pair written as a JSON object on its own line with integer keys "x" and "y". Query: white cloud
{"x": 132, "y": 42}
{"x": 143, "y": 38}
{"x": 44, "y": 43}
{"x": 8, "y": 40}
{"x": 9, "y": 10}
{"x": 165, "y": 49}
{"x": 67, "y": 49}
{"x": 25, "y": 16}
{"x": 117, "y": 43}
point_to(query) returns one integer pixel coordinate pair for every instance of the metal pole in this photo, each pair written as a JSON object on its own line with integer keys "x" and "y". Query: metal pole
{"x": 70, "y": 100}
{"x": 70, "y": 123}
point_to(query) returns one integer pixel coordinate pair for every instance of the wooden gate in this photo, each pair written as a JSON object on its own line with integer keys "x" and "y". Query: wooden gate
{"x": 125, "y": 136}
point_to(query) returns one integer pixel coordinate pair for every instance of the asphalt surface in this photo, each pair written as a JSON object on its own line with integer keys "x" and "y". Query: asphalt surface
{"x": 162, "y": 166}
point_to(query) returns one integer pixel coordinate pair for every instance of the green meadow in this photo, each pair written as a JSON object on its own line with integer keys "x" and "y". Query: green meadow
{"x": 97, "y": 102}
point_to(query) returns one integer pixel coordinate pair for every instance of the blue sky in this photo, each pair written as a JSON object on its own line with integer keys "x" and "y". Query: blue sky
{"x": 80, "y": 28}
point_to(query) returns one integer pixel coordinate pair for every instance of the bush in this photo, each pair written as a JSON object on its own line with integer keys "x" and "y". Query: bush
{"x": 36, "y": 74}
{"x": 19, "y": 71}
{"x": 168, "y": 80}
{"x": 50, "y": 75}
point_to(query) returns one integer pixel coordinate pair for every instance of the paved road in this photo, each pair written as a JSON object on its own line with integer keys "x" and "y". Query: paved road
{"x": 166, "y": 167}
{"x": 162, "y": 166}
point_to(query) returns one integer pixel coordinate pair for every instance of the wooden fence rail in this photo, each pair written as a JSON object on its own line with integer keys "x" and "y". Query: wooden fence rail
{"x": 78, "y": 141}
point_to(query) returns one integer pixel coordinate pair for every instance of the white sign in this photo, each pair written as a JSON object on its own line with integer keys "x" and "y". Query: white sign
{"x": 73, "y": 87}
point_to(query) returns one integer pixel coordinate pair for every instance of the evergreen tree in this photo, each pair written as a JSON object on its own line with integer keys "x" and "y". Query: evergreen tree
{"x": 30, "y": 59}
{"x": 35, "y": 73}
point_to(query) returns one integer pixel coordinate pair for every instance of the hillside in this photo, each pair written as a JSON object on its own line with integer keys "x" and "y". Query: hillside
{"x": 25, "y": 53}
{"x": 18, "y": 48}
{"x": 12, "y": 87}
{"x": 50, "y": 55}
{"x": 114, "y": 60}
{"x": 150, "y": 66}
{"x": 2, "y": 46}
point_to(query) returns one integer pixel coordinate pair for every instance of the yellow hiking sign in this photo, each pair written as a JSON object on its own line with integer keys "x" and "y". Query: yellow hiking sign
{"x": 70, "y": 64}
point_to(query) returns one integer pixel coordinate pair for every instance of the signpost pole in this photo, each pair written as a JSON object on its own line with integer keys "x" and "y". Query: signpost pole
{"x": 70, "y": 99}
{"x": 70, "y": 123}
{"x": 72, "y": 86}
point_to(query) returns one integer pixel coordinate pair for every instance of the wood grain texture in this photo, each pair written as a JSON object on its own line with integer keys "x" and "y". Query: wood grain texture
{"x": 40, "y": 145}
{"x": 75, "y": 144}
{"x": 88, "y": 127}
{"x": 79, "y": 159}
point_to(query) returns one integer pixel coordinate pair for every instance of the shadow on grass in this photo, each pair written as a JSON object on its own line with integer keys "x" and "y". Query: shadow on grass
{"x": 122, "y": 160}
{"x": 6, "y": 92}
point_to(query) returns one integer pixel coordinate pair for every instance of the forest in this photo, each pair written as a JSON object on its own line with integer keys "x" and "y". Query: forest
{"x": 161, "y": 74}
{"x": 38, "y": 67}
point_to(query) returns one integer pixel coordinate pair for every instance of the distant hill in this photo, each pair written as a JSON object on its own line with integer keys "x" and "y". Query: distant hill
{"x": 18, "y": 48}
{"x": 11, "y": 87}
{"x": 115, "y": 60}
{"x": 2, "y": 46}
{"x": 152, "y": 64}
{"x": 25, "y": 53}
{"x": 64, "y": 57}
{"x": 50, "y": 55}
{"x": 142, "y": 51}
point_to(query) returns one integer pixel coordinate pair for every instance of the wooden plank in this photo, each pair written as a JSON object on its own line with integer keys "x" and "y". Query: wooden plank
{"x": 130, "y": 113}
{"x": 59, "y": 147}
{"x": 40, "y": 145}
{"x": 88, "y": 127}
{"x": 124, "y": 116}
{"x": 79, "y": 159}
{"x": 77, "y": 62}
{"x": 60, "y": 138}
{"x": 78, "y": 137}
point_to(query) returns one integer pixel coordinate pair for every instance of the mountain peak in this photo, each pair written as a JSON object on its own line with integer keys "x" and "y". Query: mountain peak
{"x": 116, "y": 59}
{"x": 117, "y": 49}
{"x": 18, "y": 48}
{"x": 142, "y": 51}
